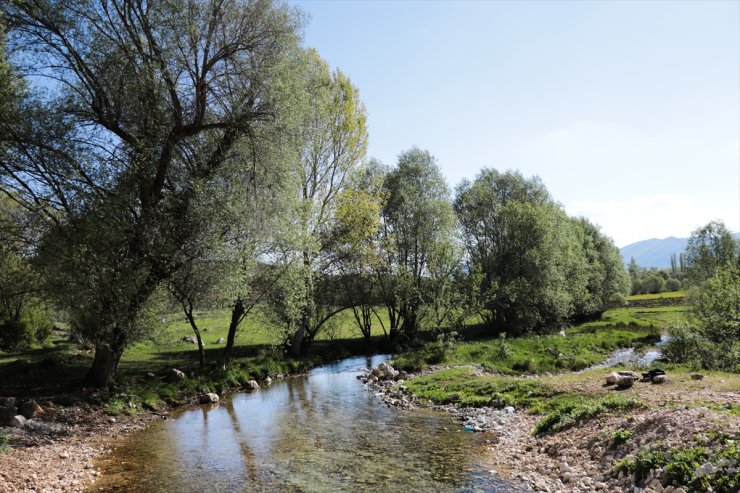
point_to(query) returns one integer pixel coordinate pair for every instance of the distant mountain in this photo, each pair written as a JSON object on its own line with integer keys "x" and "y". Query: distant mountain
{"x": 654, "y": 252}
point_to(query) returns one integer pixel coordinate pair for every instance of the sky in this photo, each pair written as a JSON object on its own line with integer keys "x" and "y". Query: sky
{"x": 629, "y": 111}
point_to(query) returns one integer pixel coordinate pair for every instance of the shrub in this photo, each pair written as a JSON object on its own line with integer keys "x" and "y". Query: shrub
{"x": 13, "y": 335}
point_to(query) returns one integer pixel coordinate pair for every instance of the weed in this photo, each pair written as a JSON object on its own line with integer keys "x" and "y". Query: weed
{"x": 3, "y": 441}
{"x": 574, "y": 412}
{"x": 681, "y": 465}
{"x": 620, "y": 436}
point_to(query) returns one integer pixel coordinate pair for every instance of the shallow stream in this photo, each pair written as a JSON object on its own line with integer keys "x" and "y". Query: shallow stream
{"x": 323, "y": 432}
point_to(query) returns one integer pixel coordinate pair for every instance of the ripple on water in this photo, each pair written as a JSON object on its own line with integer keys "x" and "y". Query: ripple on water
{"x": 324, "y": 432}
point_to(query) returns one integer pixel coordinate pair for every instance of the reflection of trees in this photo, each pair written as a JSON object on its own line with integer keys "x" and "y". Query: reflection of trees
{"x": 329, "y": 433}
{"x": 318, "y": 433}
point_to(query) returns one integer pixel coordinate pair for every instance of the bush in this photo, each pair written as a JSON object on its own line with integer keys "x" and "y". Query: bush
{"x": 673, "y": 284}
{"x": 13, "y": 335}
{"x": 34, "y": 325}
{"x": 713, "y": 342}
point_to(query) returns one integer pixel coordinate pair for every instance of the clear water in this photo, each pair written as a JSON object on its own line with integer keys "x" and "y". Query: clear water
{"x": 632, "y": 356}
{"x": 324, "y": 432}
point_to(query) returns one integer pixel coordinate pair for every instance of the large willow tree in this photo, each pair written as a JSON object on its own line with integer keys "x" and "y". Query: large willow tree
{"x": 138, "y": 104}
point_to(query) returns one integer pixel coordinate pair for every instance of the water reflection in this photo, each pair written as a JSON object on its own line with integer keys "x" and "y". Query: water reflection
{"x": 321, "y": 433}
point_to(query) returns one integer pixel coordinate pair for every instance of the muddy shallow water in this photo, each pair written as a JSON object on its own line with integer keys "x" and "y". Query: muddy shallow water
{"x": 323, "y": 432}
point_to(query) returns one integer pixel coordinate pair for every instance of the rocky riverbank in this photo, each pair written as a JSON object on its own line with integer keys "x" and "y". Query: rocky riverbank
{"x": 55, "y": 451}
{"x": 587, "y": 457}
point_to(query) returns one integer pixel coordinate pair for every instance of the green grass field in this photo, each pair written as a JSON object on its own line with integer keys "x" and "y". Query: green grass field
{"x": 584, "y": 345}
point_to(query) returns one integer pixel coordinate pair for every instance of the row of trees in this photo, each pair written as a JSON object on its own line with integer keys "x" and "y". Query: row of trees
{"x": 194, "y": 150}
{"x": 711, "y": 338}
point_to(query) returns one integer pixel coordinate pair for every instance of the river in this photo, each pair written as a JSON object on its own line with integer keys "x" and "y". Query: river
{"x": 321, "y": 432}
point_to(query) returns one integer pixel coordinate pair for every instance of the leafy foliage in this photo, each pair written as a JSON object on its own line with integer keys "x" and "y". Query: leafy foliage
{"x": 539, "y": 268}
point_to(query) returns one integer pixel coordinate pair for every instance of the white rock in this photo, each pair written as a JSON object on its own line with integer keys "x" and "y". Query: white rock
{"x": 704, "y": 469}
{"x": 17, "y": 421}
{"x": 208, "y": 398}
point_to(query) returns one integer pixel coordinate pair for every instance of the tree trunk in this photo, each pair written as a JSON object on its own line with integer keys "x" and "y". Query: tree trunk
{"x": 296, "y": 348}
{"x": 237, "y": 313}
{"x": 201, "y": 350}
{"x": 105, "y": 364}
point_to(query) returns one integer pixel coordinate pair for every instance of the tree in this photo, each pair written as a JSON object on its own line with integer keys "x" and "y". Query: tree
{"x": 23, "y": 314}
{"x": 358, "y": 222}
{"x": 511, "y": 230}
{"x": 717, "y": 305}
{"x": 417, "y": 219}
{"x": 333, "y": 145}
{"x": 152, "y": 100}
{"x": 710, "y": 247}
{"x": 603, "y": 278}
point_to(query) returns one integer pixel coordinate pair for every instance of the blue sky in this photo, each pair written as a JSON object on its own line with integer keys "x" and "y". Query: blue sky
{"x": 629, "y": 111}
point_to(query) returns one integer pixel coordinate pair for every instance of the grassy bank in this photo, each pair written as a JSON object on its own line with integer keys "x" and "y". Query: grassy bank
{"x": 637, "y": 436}
{"x": 55, "y": 370}
{"x": 582, "y": 346}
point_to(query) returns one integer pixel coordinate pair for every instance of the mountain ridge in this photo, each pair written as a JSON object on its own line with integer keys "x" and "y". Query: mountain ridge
{"x": 655, "y": 252}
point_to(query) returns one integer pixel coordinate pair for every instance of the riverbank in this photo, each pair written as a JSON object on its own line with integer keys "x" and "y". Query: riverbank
{"x": 569, "y": 432}
{"x": 56, "y": 450}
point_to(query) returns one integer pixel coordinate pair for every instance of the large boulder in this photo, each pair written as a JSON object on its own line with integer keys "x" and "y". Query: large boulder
{"x": 30, "y": 408}
{"x": 612, "y": 378}
{"x": 17, "y": 421}
{"x": 208, "y": 398}
{"x": 659, "y": 378}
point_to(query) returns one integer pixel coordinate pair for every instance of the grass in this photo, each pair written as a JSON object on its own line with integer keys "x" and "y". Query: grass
{"x": 657, "y": 296}
{"x": 584, "y": 345}
{"x": 576, "y": 410}
{"x": 561, "y": 410}
{"x": 56, "y": 369}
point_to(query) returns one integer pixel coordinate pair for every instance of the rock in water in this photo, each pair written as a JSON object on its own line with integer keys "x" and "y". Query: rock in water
{"x": 209, "y": 398}
{"x": 268, "y": 380}
{"x": 612, "y": 378}
{"x": 30, "y": 408}
{"x": 252, "y": 385}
